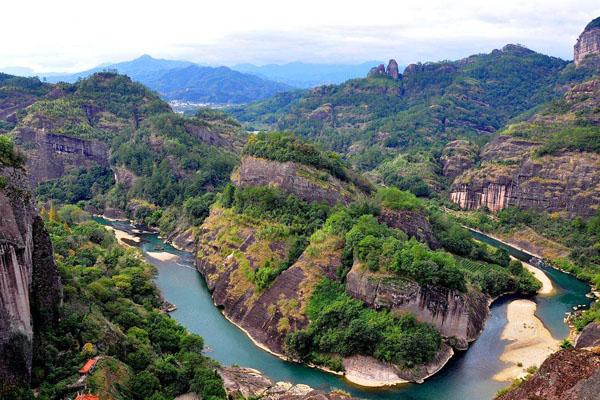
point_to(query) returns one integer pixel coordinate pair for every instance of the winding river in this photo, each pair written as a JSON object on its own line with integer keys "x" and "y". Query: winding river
{"x": 468, "y": 376}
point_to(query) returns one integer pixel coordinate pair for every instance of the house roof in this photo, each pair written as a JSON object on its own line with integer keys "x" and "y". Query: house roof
{"x": 88, "y": 366}
{"x": 87, "y": 396}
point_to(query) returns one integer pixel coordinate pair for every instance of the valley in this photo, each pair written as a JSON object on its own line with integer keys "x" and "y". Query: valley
{"x": 468, "y": 376}
{"x": 418, "y": 233}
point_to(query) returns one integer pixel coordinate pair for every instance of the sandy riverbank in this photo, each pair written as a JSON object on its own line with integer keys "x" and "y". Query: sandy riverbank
{"x": 530, "y": 342}
{"x": 547, "y": 286}
{"x": 162, "y": 255}
{"x": 120, "y": 235}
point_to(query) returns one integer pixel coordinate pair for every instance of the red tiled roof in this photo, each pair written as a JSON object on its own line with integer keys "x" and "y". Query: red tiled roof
{"x": 88, "y": 366}
{"x": 87, "y": 396}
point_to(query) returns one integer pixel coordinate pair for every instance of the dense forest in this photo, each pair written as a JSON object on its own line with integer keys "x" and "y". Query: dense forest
{"x": 111, "y": 309}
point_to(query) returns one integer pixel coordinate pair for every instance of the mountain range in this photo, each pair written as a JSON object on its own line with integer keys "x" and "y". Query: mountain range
{"x": 186, "y": 81}
{"x": 307, "y": 75}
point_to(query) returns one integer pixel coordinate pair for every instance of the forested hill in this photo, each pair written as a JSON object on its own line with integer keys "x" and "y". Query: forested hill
{"x": 186, "y": 81}
{"x": 115, "y": 144}
{"x": 430, "y": 104}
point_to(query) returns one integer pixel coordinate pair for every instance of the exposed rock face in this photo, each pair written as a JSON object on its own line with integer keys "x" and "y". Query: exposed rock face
{"x": 306, "y": 182}
{"x": 456, "y": 315}
{"x": 50, "y": 155}
{"x": 565, "y": 375}
{"x": 30, "y": 288}
{"x": 124, "y": 176}
{"x": 392, "y": 69}
{"x": 249, "y": 383}
{"x": 377, "y": 71}
{"x": 588, "y": 43}
{"x": 183, "y": 240}
{"x": 589, "y": 336}
{"x": 563, "y": 182}
{"x": 365, "y": 370}
{"x": 457, "y": 157}
{"x": 229, "y": 250}
{"x": 413, "y": 223}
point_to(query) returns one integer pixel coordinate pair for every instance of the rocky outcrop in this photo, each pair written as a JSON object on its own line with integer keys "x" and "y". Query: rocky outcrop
{"x": 30, "y": 288}
{"x": 308, "y": 183}
{"x": 231, "y": 249}
{"x": 566, "y": 375}
{"x": 567, "y": 182}
{"x": 589, "y": 336}
{"x": 377, "y": 71}
{"x": 458, "y": 316}
{"x": 50, "y": 155}
{"x": 370, "y": 372}
{"x": 457, "y": 157}
{"x": 413, "y": 223}
{"x": 124, "y": 176}
{"x": 247, "y": 383}
{"x": 392, "y": 69}
{"x": 588, "y": 43}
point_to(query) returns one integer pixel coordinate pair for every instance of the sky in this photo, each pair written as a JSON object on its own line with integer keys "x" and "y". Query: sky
{"x": 70, "y": 36}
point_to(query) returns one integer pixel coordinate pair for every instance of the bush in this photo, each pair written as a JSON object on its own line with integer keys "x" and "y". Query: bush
{"x": 398, "y": 200}
{"x": 9, "y": 155}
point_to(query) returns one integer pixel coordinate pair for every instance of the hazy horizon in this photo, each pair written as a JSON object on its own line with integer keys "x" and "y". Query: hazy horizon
{"x": 61, "y": 37}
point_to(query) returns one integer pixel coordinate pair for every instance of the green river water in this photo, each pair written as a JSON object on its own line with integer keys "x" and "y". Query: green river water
{"x": 466, "y": 377}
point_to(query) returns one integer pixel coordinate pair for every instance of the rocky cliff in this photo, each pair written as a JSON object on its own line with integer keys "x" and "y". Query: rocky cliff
{"x": 457, "y": 157}
{"x": 544, "y": 163}
{"x": 588, "y": 43}
{"x": 566, "y": 375}
{"x": 30, "y": 288}
{"x": 306, "y": 182}
{"x": 589, "y": 336}
{"x": 230, "y": 250}
{"x": 248, "y": 383}
{"x": 460, "y": 317}
{"x": 413, "y": 223}
{"x": 50, "y": 155}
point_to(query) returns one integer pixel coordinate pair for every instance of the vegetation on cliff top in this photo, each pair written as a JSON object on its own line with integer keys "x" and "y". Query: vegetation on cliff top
{"x": 9, "y": 155}
{"x": 344, "y": 326}
{"x": 279, "y": 146}
{"x": 111, "y": 309}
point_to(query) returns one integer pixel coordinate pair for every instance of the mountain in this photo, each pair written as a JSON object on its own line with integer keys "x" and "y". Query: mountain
{"x": 139, "y": 69}
{"x": 306, "y": 75}
{"x": 113, "y": 140}
{"x": 186, "y": 81}
{"x": 373, "y": 119}
{"x": 212, "y": 85}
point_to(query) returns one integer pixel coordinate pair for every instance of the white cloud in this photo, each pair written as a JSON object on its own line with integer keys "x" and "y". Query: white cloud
{"x": 73, "y": 35}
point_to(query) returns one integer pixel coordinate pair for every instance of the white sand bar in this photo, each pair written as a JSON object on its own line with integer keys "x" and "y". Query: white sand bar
{"x": 530, "y": 342}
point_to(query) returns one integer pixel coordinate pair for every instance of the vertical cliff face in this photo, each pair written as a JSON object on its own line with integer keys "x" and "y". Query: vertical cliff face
{"x": 543, "y": 163}
{"x": 306, "y": 182}
{"x": 50, "y": 155}
{"x": 460, "y": 316}
{"x": 588, "y": 43}
{"x": 30, "y": 288}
